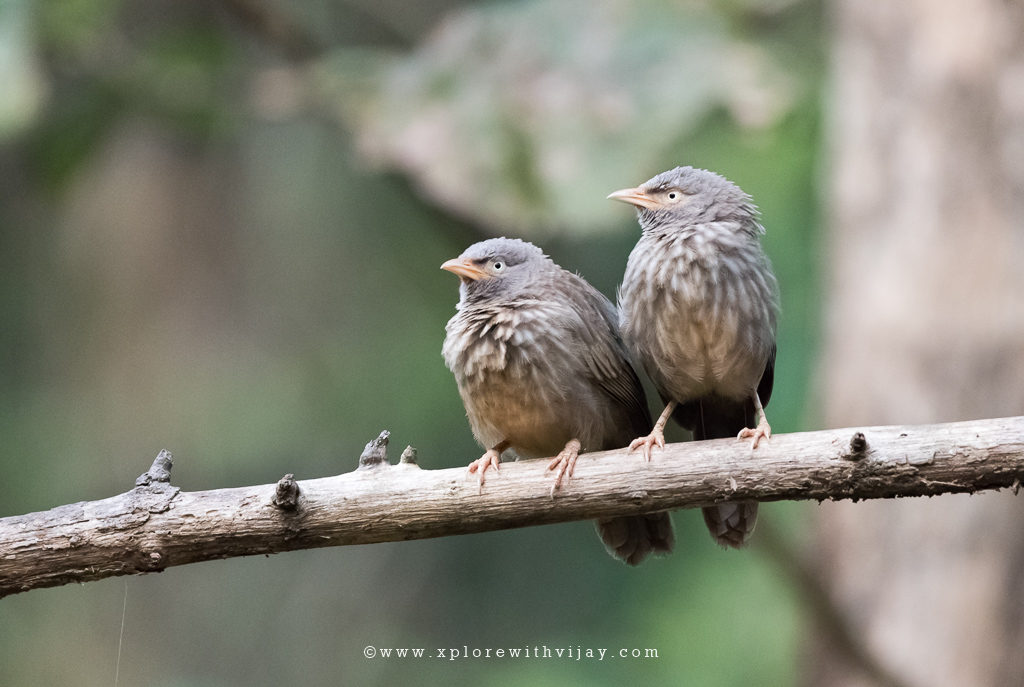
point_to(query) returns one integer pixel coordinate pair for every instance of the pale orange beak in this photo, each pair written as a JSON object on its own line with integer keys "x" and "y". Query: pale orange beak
{"x": 635, "y": 196}
{"x": 464, "y": 268}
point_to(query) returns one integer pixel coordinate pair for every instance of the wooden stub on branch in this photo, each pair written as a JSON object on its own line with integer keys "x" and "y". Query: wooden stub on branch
{"x": 148, "y": 529}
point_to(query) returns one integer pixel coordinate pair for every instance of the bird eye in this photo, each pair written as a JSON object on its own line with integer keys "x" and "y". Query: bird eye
{"x": 498, "y": 265}
{"x": 673, "y": 195}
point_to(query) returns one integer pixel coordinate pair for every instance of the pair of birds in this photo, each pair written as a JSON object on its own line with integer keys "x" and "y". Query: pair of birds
{"x": 542, "y": 359}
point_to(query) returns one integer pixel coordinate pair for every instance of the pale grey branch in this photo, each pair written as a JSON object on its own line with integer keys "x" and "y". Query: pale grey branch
{"x": 155, "y": 525}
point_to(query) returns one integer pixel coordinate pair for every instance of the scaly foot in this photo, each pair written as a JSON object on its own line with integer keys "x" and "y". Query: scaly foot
{"x": 762, "y": 431}
{"x": 655, "y": 438}
{"x": 490, "y": 459}
{"x": 565, "y": 461}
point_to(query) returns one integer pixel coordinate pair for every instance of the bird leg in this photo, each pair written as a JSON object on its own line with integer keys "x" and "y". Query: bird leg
{"x": 565, "y": 461}
{"x": 491, "y": 458}
{"x": 763, "y": 429}
{"x": 657, "y": 435}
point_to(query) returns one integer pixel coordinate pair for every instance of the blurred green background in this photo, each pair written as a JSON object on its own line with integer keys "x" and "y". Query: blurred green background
{"x": 220, "y": 232}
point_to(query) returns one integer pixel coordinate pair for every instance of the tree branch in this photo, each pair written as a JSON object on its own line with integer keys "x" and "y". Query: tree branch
{"x": 156, "y": 525}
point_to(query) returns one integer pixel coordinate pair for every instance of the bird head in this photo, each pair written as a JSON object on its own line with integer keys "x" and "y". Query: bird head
{"x": 496, "y": 267}
{"x": 686, "y": 196}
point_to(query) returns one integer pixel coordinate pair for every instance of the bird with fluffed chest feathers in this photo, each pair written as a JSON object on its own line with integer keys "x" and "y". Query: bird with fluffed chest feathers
{"x": 698, "y": 307}
{"x": 542, "y": 371}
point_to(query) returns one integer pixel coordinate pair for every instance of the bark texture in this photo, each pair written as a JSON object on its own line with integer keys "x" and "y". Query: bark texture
{"x": 155, "y": 525}
{"x": 926, "y": 324}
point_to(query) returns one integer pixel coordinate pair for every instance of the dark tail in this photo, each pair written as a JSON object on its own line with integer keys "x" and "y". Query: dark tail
{"x": 632, "y": 539}
{"x": 731, "y": 524}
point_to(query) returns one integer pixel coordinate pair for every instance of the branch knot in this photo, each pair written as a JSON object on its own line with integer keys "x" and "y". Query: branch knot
{"x": 159, "y": 472}
{"x": 376, "y": 453}
{"x": 286, "y": 494}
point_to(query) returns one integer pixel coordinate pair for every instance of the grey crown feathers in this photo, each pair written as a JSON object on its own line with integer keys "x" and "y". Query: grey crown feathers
{"x": 542, "y": 371}
{"x": 698, "y": 309}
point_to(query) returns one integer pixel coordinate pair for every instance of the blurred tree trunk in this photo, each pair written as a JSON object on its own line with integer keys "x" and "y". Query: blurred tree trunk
{"x": 925, "y": 323}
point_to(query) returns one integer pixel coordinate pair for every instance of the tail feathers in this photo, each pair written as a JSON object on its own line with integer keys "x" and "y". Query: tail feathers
{"x": 731, "y": 523}
{"x": 632, "y": 539}
{"x": 714, "y": 417}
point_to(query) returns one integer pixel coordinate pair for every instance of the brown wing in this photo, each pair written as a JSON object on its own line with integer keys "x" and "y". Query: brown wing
{"x": 605, "y": 355}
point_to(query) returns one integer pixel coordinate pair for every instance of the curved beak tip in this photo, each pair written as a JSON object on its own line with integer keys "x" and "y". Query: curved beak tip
{"x": 464, "y": 269}
{"x": 633, "y": 196}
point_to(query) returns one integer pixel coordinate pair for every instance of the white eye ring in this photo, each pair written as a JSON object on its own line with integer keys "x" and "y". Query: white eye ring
{"x": 498, "y": 265}
{"x": 673, "y": 195}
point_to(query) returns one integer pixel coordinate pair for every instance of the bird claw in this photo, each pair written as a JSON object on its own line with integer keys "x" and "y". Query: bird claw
{"x": 762, "y": 431}
{"x": 490, "y": 459}
{"x": 655, "y": 438}
{"x": 565, "y": 461}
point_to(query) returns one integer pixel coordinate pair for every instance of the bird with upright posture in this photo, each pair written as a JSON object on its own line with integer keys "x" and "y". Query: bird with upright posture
{"x": 698, "y": 307}
{"x": 542, "y": 370}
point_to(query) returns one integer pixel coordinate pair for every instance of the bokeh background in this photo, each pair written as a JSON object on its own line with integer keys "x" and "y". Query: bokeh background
{"x": 220, "y": 231}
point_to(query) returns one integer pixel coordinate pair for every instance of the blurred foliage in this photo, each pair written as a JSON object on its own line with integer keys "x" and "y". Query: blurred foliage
{"x": 20, "y": 80}
{"x": 518, "y": 115}
{"x": 210, "y": 245}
